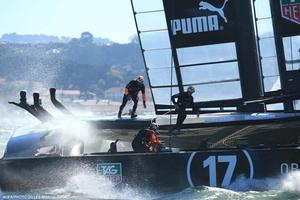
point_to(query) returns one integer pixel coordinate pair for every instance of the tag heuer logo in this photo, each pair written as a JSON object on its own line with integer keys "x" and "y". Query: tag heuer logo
{"x": 112, "y": 171}
{"x": 290, "y": 10}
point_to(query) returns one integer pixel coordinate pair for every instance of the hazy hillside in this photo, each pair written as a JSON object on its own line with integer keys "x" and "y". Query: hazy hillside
{"x": 80, "y": 64}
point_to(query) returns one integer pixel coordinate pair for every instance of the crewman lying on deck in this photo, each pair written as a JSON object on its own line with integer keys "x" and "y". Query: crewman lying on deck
{"x": 131, "y": 92}
{"x": 146, "y": 140}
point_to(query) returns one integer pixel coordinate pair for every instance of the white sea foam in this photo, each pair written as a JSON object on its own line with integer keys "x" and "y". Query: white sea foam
{"x": 244, "y": 184}
{"x": 89, "y": 185}
{"x": 289, "y": 183}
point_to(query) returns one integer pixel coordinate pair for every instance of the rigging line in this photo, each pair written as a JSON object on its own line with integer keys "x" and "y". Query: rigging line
{"x": 171, "y": 92}
{"x": 291, "y": 47}
{"x": 292, "y": 58}
{"x": 171, "y": 89}
{"x": 172, "y": 65}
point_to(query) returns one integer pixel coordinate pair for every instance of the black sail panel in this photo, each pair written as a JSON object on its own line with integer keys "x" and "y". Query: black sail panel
{"x": 286, "y": 23}
{"x": 193, "y": 23}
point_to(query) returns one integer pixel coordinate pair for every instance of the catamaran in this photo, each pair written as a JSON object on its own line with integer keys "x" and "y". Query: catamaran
{"x": 243, "y": 59}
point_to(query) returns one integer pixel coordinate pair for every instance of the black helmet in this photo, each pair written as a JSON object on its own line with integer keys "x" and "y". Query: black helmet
{"x": 191, "y": 89}
{"x": 153, "y": 126}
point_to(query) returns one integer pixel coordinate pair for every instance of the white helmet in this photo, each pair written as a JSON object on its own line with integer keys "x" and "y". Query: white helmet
{"x": 140, "y": 79}
{"x": 191, "y": 89}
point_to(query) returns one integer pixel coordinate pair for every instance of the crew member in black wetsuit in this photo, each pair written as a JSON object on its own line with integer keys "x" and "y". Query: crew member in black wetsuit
{"x": 131, "y": 92}
{"x": 184, "y": 100}
{"x": 146, "y": 140}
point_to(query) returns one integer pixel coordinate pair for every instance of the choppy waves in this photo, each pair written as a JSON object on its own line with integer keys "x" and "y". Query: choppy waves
{"x": 283, "y": 187}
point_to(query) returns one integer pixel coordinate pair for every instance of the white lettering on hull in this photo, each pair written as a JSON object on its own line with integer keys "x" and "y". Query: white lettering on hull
{"x": 286, "y": 168}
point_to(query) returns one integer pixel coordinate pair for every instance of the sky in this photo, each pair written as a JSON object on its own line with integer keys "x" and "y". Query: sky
{"x": 112, "y": 19}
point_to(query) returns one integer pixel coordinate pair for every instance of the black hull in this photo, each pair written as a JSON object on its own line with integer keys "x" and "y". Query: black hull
{"x": 279, "y": 129}
{"x": 163, "y": 171}
{"x": 283, "y": 130}
{"x": 226, "y": 135}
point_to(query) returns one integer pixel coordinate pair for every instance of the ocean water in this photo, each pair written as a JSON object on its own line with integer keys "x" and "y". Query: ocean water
{"x": 86, "y": 186}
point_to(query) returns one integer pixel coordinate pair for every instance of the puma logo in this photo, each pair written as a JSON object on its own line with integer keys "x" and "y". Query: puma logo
{"x": 207, "y": 6}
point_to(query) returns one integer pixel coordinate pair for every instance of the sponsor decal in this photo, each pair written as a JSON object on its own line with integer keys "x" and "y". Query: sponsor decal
{"x": 290, "y": 10}
{"x": 111, "y": 171}
{"x": 201, "y": 23}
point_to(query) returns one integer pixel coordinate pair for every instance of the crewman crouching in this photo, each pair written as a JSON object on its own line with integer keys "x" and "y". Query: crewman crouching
{"x": 146, "y": 140}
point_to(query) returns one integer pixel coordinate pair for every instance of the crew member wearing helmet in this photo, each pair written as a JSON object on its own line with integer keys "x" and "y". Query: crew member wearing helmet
{"x": 131, "y": 92}
{"x": 184, "y": 100}
{"x": 146, "y": 140}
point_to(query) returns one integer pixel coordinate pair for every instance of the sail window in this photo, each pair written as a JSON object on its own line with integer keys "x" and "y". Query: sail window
{"x": 267, "y": 47}
{"x": 297, "y": 104}
{"x": 200, "y": 74}
{"x": 158, "y": 58}
{"x": 275, "y": 107}
{"x": 162, "y": 95}
{"x": 272, "y": 83}
{"x": 265, "y": 26}
{"x": 292, "y": 52}
{"x": 270, "y": 66}
{"x": 155, "y": 40}
{"x": 152, "y": 21}
{"x": 147, "y": 6}
{"x": 162, "y": 77}
{"x": 207, "y": 53}
{"x": 262, "y": 9}
{"x": 217, "y": 91}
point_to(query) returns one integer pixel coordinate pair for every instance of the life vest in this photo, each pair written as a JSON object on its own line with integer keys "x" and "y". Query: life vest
{"x": 146, "y": 141}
